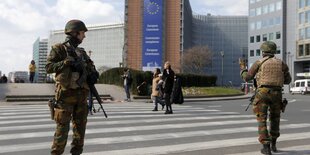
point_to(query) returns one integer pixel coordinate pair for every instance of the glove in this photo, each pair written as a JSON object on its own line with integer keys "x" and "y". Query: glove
{"x": 242, "y": 64}
{"x": 69, "y": 60}
{"x": 78, "y": 66}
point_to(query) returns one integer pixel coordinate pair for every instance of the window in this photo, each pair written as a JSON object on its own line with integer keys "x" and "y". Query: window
{"x": 278, "y": 5}
{"x": 265, "y": 9}
{"x": 258, "y": 25}
{"x": 297, "y": 84}
{"x": 252, "y": 12}
{"x": 271, "y": 7}
{"x": 278, "y": 35}
{"x": 271, "y": 36}
{"x": 301, "y": 3}
{"x": 258, "y": 38}
{"x": 277, "y": 21}
{"x": 302, "y": 84}
{"x": 307, "y": 17}
{"x": 264, "y": 37}
{"x": 301, "y": 18}
{"x": 278, "y": 52}
{"x": 252, "y": 1}
{"x": 258, "y": 52}
{"x": 271, "y": 22}
{"x": 301, "y": 33}
{"x": 258, "y": 11}
{"x": 301, "y": 50}
{"x": 252, "y": 26}
{"x": 307, "y": 2}
{"x": 307, "y": 33}
{"x": 252, "y": 39}
{"x": 307, "y": 50}
{"x": 251, "y": 53}
{"x": 264, "y": 23}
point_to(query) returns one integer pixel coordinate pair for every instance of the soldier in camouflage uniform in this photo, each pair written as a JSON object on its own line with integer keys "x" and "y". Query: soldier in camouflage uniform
{"x": 70, "y": 63}
{"x": 270, "y": 73}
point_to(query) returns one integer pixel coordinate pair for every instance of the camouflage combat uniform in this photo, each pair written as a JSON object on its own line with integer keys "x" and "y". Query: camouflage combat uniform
{"x": 271, "y": 73}
{"x": 71, "y": 98}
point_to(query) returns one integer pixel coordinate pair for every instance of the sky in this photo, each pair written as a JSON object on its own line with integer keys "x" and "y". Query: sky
{"x": 22, "y": 22}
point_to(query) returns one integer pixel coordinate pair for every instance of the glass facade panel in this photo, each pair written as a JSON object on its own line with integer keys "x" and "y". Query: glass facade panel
{"x": 278, "y": 35}
{"x": 302, "y": 33}
{"x": 258, "y": 52}
{"x": 301, "y": 18}
{"x": 301, "y": 50}
{"x": 277, "y": 21}
{"x": 252, "y": 26}
{"x": 271, "y": 7}
{"x": 258, "y": 11}
{"x": 264, "y": 37}
{"x": 258, "y": 38}
{"x": 307, "y": 49}
{"x": 278, "y": 5}
{"x": 252, "y": 39}
{"x": 302, "y": 3}
{"x": 252, "y": 12}
{"x": 251, "y": 53}
{"x": 217, "y": 32}
{"x": 307, "y": 33}
{"x": 271, "y": 36}
{"x": 258, "y": 25}
{"x": 307, "y": 17}
{"x": 265, "y": 9}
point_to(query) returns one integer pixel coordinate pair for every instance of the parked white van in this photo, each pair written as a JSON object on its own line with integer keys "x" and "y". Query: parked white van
{"x": 301, "y": 86}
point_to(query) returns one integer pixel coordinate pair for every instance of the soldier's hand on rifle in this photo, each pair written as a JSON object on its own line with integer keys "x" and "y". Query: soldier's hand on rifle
{"x": 69, "y": 60}
{"x": 242, "y": 63}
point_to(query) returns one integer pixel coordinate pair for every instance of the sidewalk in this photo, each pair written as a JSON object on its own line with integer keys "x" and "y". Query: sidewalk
{"x": 117, "y": 93}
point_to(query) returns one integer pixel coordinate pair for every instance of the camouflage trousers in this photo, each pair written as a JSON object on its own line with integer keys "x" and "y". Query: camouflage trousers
{"x": 72, "y": 105}
{"x": 267, "y": 99}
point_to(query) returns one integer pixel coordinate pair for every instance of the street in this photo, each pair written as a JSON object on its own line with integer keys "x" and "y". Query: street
{"x": 195, "y": 128}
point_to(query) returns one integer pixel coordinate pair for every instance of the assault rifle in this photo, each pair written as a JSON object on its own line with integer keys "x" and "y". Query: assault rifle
{"x": 94, "y": 91}
{"x": 253, "y": 96}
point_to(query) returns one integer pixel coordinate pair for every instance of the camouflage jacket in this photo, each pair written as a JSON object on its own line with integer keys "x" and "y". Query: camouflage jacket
{"x": 250, "y": 74}
{"x": 64, "y": 73}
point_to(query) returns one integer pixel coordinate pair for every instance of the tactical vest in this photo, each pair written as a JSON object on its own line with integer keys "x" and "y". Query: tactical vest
{"x": 67, "y": 78}
{"x": 270, "y": 72}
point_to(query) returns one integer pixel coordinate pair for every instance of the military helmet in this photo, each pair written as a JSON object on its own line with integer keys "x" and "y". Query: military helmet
{"x": 75, "y": 26}
{"x": 268, "y": 47}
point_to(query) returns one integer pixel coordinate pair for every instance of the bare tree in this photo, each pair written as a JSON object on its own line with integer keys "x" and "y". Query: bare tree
{"x": 196, "y": 59}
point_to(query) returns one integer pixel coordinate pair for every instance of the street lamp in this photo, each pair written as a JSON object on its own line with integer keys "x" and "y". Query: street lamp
{"x": 222, "y": 54}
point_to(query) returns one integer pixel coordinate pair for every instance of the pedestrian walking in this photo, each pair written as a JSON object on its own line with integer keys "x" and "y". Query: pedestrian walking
{"x": 127, "y": 83}
{"x": 70, "y": 63}
{"x": 32, "y": 70}
{"x": 270, "y": 73}
{"x": 157, "y": 90}
{"x": 3, "y": 79}
{"x": 168, "y": 78}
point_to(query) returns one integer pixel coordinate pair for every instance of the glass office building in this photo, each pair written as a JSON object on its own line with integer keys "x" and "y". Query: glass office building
{"x": 104, "y": 44}
{"x": 301, "y": 59}
{"x": 226, "y": 37}
{"x": 39, "y": 56}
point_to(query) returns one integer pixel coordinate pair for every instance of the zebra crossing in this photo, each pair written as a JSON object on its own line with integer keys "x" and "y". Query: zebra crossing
{"x": 133, "y": 129}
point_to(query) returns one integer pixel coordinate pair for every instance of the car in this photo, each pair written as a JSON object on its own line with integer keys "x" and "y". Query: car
{"x": 301, "y": 86}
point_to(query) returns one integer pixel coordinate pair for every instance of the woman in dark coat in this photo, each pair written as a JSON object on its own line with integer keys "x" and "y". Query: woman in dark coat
{"x": 168, "y": 77}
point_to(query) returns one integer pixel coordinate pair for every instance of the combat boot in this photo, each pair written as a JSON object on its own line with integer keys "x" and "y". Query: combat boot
{"x": 266, "y": 149}
{"x": 273, "y": 145}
